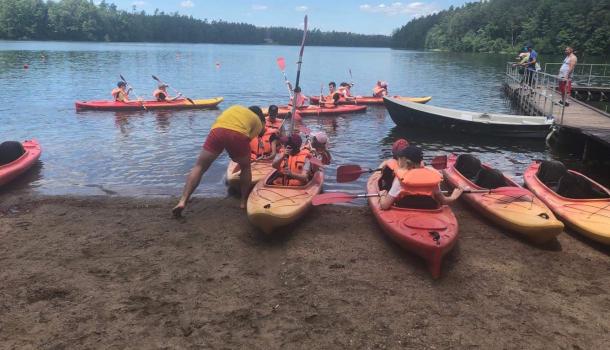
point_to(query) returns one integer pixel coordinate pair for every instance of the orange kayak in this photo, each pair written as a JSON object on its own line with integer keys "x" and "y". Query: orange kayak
{"x": 12, "y": 170}
{"x": 369, "y": 100}
{"x": 577, "y": 200}
{"x": 517, "y": 210}
{"x": 272, "y": 206}
{"x": 429, "y": 233}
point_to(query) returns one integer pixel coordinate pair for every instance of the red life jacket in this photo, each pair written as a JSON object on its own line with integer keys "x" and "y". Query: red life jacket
{"x": 295, "y": 165}
{"x": 419, "y": 181}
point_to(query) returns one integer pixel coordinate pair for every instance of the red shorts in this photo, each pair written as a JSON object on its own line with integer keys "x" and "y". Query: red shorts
{"x": 565, "y": 87}
{"x": 236, "y": 144}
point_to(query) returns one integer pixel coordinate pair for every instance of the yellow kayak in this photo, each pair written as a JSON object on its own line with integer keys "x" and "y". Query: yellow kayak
{"x": 260, "y": 169}
{"x": 273, "y": 206}
{"x": 507, "y": 204}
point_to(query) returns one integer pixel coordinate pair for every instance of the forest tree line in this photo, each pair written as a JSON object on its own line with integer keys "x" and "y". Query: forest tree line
{"x": 82, "y": 20}
{"x": 506, "y": 25}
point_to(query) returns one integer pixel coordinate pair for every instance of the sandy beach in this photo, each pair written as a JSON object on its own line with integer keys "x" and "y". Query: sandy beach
{"x": 120, "y": 273}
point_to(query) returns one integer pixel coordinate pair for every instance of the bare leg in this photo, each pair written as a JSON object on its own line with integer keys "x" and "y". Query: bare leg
{"x": 245, "y": 179}
{"x": 201, "y": 166}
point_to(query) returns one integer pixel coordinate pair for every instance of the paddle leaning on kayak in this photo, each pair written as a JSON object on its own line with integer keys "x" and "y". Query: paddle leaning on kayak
{"x": 232, "y": 131}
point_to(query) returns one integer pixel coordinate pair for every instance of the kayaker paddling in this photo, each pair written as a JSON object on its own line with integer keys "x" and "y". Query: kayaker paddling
{"x": 414, "y": 182}
{"x": 121, "y": 93}
{"x": 317, "y": 147}
{"x": 300, "y": 98}
{"x": 232, "y": 132}
{"x": 161, "y": 94}
{"x": 380, "y": 89}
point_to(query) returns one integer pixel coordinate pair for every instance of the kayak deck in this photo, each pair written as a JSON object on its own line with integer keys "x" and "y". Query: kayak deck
{"x": 260, "y": 169}
{"x": 271, "y": 206}
{"x": 12, "y": 170}
{"x": 106, "y": 105}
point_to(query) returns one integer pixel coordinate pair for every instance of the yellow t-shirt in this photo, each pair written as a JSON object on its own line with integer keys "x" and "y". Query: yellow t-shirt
{"x": 241, "y": 119}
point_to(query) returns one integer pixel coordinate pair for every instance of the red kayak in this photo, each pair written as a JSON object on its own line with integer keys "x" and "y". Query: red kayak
{"x": 369, "y": 100}
{"x": 429, "y": 233}
{"x": 146, "y": 105}
{"x": 12, "y": 170}
{"x": 313, "y": 110}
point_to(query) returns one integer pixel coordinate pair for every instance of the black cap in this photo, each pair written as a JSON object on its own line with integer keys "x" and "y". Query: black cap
{"x": 412, "y": 153}
{"x": 257, "y": 110}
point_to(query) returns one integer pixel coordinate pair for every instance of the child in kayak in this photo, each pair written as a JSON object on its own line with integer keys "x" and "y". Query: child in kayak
{"x": 266, "y": 146}
{"x": 121, "y": 93}
{"x": 161, "y": 95}
{"x": 317, "y": 147}
{"x": 415, "y": 184}
{"x": 344, "y": 90}
{"x": 300, "y": 98}
{"x": 389, "y": 166}
{"x": 271, "y": 121}
{"x": 293, "y": 165}
{"x": 232, "y": 131}
{"x": 380, "y": 89}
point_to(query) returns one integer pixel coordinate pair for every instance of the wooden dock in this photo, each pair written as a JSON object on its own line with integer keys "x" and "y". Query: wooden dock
{"x": 577, "y": 118}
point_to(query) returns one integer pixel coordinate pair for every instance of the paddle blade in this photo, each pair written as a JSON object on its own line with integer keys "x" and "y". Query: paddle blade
{"x": 349, "y": 173}
{"x": 281, "y": 62}
{"x": 157, "y": 79}
{"x": 332, "y": 198}
{"x": 190, "y": 100}
{"x": 439, "y": 162}
{"x": 123, "y": 79}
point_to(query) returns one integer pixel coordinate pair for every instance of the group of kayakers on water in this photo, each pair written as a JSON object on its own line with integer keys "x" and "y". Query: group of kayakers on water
{"x": 343, "y": 92}
{"x": 121, "y": 93}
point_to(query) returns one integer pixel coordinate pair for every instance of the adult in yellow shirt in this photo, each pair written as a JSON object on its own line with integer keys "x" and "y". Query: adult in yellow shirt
{"x": 232, "y": 131}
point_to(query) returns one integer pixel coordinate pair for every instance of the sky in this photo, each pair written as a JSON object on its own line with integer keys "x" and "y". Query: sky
{"x": 358, "y": 16}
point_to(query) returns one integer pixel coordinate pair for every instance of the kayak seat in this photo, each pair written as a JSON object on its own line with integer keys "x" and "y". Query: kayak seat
{"x": 10, "y": 151}
{"x": 386, "y": 179}
{"x": 490, "y": 178}
{"x": 468, "y": 165}
{"x": 417, "y": 202}
{"x": 576, "y": 187}
{"x": 550, "y": 172}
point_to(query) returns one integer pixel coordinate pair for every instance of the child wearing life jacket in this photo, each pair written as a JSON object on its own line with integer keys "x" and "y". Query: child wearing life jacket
{"x": 120, "y": 94}
{"x": 317, "y": 147}
{"x": 266, "y": 146}
{"x": 415, "y": 181}
{"x": 160, "y": 94}
{"x": 380, "y": 89}
{"x": 293, "y": 164}
{"x": 300, "y": 98}
{"x": 389, "y": 166}
{"x": 272, "y": 121}
{"x": 344, "y": 90}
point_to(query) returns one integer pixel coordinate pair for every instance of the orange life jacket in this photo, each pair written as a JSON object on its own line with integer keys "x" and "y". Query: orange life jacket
{"x": 378, "y": 91}
{"x": 295, "y": 165}
{"x": 275, "y": 125}
{"x": 419, "y": 181}
{"x": 158, "y": 93}
{"x": 261, "y": 146}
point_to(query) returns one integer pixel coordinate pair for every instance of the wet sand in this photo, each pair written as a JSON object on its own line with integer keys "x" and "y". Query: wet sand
{"x": 120, "y": 273}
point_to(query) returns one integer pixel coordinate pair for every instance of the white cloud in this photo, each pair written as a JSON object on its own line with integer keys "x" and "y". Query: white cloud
{"x": 139, "y": 3}
{"x": 412, "y": 9}
{"x": 187, "y": 4}
{"x": 259, "y": 7}
{"x": 301, "y": 8}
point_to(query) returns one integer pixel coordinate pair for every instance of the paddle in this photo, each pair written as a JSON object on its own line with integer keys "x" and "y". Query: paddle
{"x": 134, "y": 91}
{"x": 351, "y": 172}
{"x": 281, "y": 63}
{"x": 177, "y": 92}
{"x": 344, "y": 197}
{"x": 296, "y": 94}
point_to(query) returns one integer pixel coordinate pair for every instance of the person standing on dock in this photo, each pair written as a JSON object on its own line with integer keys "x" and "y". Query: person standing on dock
{"x": 232, "y": 131}
{"x": 565, "y": 75}
{"x": 532, "y": 60}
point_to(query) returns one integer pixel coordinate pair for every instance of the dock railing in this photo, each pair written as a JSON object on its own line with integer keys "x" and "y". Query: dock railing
{"x": 597, "y": 75}
{"x": 536, "y": 93}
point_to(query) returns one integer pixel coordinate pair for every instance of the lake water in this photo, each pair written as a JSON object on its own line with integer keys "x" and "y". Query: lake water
{"x": 150, "y": 153}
